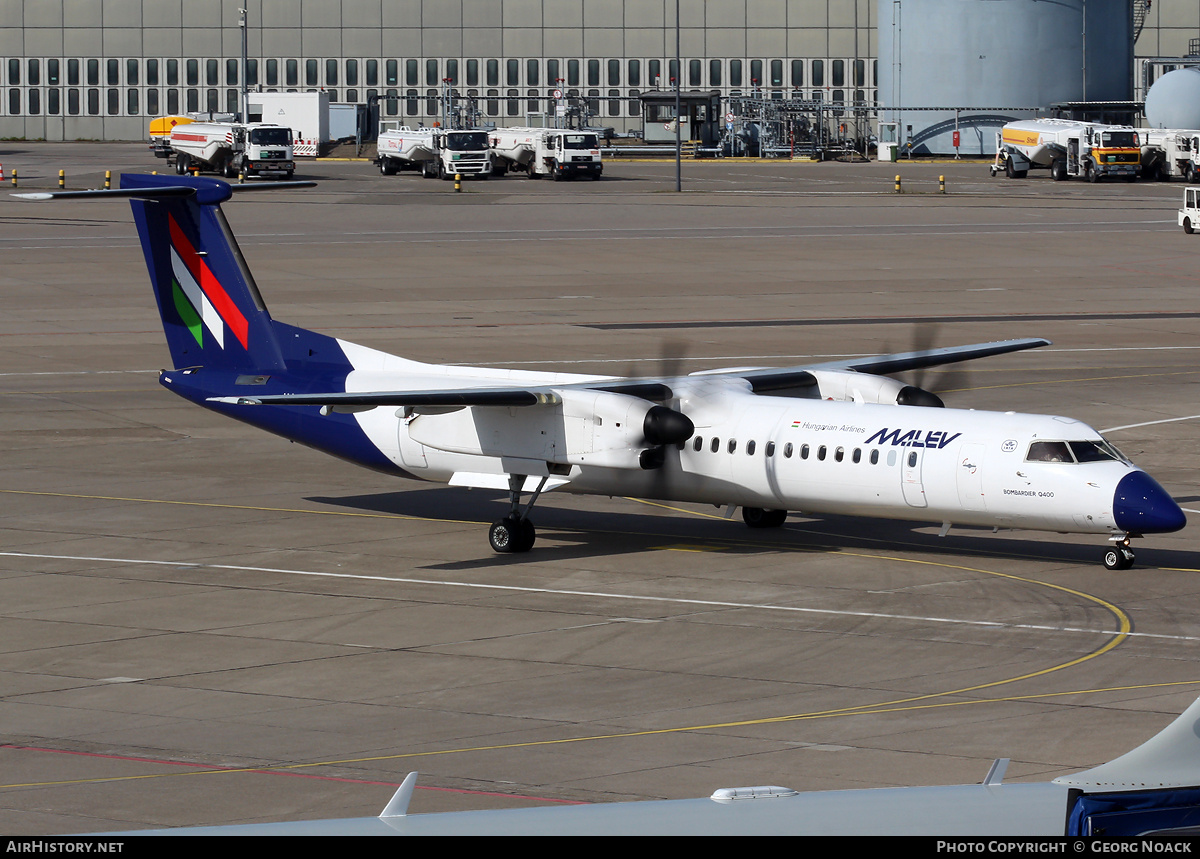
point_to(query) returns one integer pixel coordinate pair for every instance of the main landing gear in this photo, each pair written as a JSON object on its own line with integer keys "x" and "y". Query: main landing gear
{"x": 757, "y": 517}
{"x": 1120, "y": 556}
{"x": 515, "y": 533}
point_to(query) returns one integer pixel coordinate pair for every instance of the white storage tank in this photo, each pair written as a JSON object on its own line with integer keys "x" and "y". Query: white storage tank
{"x": 978, "y": 54}
{"x": 1173, "y": 101}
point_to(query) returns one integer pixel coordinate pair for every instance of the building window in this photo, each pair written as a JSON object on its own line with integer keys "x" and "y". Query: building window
{"x": 735, "y": 73}
{"x": 131, "y": 101}
{"x": 35, "y": 77}
{"x": 172, "y": 72}
{"x": 714, "y": 72}
{"x": 212, "y": 70}
{"x": 472, "y": 72}
{"x": 531, "y": 72}
{"x": 373, "y": 73}
{"x": 694, "y": 67}
{"x": 14, "y": 73}
{"x": 310, "y": 73}
{"x": 756, "y": 72}
{"x": 572, "y": 72}
{"x": 776, "y": 72}
{"x": 593, "y": 73}
{"x": 432, "y": 78}
{"x": 351, "y": 72}
{"x": 331, "y": 73}
{"x": 114, "y": 101}
{"x": 72, "y": 72}
{"x": 231, "y": 72}
{"x": 633, "y": 72}
{"x": 839, "y": 72}
{"x": 818, "y": 73}
{"x": 73, "y": 102}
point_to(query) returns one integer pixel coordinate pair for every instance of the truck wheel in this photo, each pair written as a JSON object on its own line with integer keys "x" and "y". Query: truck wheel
{"x": 229, "y": 171}
{"x": 1093, "y": 175}
{"x": 1187, "y": 226}
{"x": 1058, "y": 170}
{"x": 181, "y": 163}
{"x": 1008, "y": 168}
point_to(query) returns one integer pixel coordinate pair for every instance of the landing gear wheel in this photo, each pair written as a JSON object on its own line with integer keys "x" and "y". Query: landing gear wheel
{"x": 511, "y": 535}
{"x": 756, "y": 517}
{"x": 1118, "y": 558}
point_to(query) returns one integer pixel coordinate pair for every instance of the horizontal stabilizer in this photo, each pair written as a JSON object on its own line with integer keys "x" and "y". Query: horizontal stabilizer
{"x": 457, "y": 397}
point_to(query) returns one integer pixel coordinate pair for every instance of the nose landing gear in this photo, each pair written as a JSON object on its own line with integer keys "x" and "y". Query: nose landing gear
{"x": 1120, "y": 556}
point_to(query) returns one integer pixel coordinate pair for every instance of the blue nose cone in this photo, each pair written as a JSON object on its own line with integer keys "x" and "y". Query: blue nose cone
{"x": 1141, "y": 506}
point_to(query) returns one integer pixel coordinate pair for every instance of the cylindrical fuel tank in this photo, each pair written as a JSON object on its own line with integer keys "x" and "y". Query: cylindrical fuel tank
{"x": 1173, "y": 101}
{"x": 981, "y": 54}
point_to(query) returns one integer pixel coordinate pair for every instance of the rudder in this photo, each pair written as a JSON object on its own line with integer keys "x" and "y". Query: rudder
{"x": 212, "y": 312}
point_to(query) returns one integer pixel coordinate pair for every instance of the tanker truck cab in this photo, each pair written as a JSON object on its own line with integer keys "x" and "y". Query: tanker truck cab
{"x": 464, "y": 152}
{"x": 267, "y": 149}
{"x": 576, "y": 154}
{"x": 1189, "y": 215}
{"x": 1114, "y": 152}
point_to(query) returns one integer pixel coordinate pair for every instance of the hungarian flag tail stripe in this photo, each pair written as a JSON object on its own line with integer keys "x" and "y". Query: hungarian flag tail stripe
{"x": 203, "y": 307}
{"x": 209, "y": 285}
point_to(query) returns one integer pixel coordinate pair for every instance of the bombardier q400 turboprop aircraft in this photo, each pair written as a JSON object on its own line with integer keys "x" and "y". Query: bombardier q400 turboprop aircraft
{"x": 836, "y": 437}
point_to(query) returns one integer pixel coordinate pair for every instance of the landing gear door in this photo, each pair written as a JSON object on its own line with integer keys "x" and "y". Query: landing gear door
{"x": 910, "y": 477}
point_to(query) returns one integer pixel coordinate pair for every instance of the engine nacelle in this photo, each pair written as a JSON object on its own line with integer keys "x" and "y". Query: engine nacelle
{"x": 574, "y": 427}
{"x": 848, "y": 386}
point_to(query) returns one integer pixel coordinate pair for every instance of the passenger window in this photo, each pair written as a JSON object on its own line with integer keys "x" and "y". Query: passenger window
{"x": 716, "y": 444}
{"x": 770, "y": 448}
{"x": 804, "y": 451}
{"x": 912, "y": 459}
{"x": 857, "y": 455}
{"x": 732, "y": 446}
{"x": 750, "y": 448}
{"x": 839, "y": 454}
{"x": 698, "y": 444}
{"x": 875, "y": 457}
{"x": 891, "y": 457}
{"x": 821, "y": 453}
{"x": 1049, "y": 451}
{"x": 787, "y": 450}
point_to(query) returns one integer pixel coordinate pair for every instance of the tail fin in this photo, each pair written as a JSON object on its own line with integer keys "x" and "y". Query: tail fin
{"x": 212, "y": 312}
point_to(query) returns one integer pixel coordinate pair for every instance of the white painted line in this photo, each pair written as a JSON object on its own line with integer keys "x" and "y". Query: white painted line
{"x": 1151, "y": 423}
{"x": 602, "y": 595}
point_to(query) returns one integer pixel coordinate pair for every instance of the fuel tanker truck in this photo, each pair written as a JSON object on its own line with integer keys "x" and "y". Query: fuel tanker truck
{"x": 1069, "y": 148}
{"x": 230, "y": 148}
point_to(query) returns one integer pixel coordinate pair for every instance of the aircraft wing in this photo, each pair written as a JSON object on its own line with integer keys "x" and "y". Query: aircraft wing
{"x": 768, "y": 379}
{"x": 761, "y": 379}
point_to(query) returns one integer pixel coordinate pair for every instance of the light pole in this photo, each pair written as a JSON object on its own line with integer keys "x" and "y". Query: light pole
{"x": 678, "y": 120}
{"x": 245, "y": 77}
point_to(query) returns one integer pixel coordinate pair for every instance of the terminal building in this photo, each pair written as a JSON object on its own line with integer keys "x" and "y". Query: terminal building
{"x": 102, "y": 69}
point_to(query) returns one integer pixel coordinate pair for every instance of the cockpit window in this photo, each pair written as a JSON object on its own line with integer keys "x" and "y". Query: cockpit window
{"x": 1095, "y": 451}
{"x": 1049, "y": 451}
{"x": 1091, "y": 450}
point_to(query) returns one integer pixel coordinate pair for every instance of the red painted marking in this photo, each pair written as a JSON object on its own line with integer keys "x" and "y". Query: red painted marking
{"x": 210, "y": 286}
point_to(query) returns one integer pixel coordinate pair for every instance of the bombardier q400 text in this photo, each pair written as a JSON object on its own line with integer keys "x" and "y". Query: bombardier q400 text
{"x": 836, "y": 437}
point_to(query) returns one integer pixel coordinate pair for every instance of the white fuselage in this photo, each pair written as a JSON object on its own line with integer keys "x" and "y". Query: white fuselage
{"x": 812, "y": 455}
